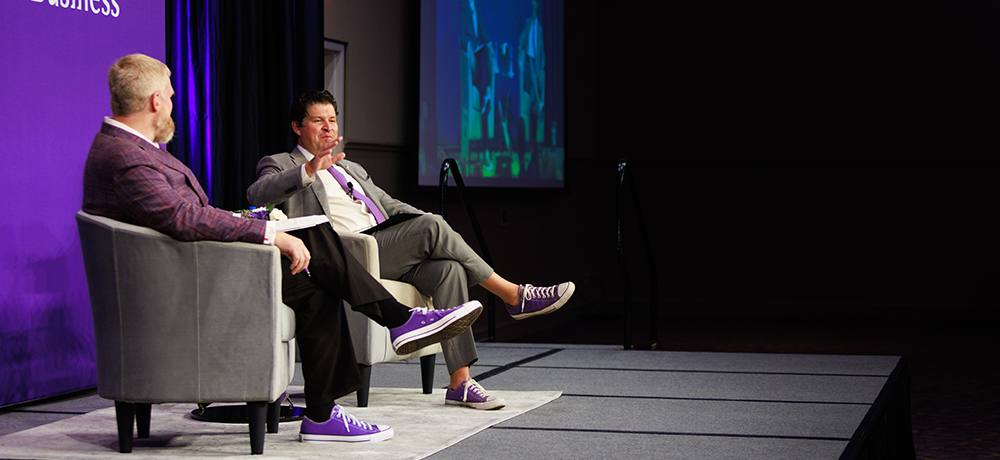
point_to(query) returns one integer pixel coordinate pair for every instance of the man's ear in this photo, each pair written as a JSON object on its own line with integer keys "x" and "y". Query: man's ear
{"x": 155, "y": 101}
{"x": 296, "y": 128}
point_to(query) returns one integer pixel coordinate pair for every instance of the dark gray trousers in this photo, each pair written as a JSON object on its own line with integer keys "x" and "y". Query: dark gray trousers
{"x": 427, "y": 253}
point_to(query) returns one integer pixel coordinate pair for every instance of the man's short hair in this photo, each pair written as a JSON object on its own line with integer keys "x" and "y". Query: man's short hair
{"x": 300, "y": 108}
{"x": 132, "y": 79}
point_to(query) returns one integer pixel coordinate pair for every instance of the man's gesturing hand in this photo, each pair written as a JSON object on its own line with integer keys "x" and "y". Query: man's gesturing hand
{"x": 325, "y": 158}
{"x": 294, "y": 249}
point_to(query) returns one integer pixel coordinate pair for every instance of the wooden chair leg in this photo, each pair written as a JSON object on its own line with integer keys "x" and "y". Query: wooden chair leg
{"x": 427, "y": 373}
{"x": 142, "y": 413}
{"x": 366, "y": 384}
{"x": 125, "y": 415}
{"x": 273, "y": 415}
{"x": 258, "y": 413}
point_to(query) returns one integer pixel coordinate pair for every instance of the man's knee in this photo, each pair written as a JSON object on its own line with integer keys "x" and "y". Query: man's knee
{"x": 432, "y": 220}
{"x": 433, "y": 224}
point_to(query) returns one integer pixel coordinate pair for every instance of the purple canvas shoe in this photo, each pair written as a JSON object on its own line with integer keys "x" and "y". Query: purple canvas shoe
{"x": 471, "y": 394}
{"x": 342, "y": 427}
{"x": 427, "y": 327}
{"x": 540, "y": 300}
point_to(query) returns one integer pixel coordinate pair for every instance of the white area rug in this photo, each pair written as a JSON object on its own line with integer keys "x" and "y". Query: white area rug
{"x": 423, "y": 425}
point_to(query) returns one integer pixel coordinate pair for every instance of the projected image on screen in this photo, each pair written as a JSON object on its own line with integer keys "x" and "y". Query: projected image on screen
{"x": 491, "y": 91}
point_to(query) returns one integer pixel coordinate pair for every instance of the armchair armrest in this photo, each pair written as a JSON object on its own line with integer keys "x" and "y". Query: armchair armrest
{"x": 184, "y": 321}
{"x": 364, "y": 248}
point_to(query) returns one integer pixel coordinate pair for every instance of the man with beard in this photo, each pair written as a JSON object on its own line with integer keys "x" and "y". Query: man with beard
{"x": 129, "y": 178}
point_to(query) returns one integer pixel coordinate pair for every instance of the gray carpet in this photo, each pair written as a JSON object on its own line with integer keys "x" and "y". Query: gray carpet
{"x": 422, "y": 423}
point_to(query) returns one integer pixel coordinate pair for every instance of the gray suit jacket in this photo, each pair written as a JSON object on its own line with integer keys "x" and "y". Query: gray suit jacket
{"x": 279, "y": 182}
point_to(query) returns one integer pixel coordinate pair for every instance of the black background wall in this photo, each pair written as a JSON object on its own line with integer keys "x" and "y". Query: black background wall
{"x": 794, "y": 159}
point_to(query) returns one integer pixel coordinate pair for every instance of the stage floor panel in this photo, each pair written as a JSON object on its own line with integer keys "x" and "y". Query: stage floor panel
{"x": 661, "y": 404}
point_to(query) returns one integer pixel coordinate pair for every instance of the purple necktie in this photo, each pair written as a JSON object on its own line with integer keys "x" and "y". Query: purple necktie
{"x": 349, "y": 188}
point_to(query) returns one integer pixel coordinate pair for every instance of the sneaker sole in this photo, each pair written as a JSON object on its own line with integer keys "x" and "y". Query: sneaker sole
{"x": 443, "y": 330}
{"x": 375, "y": 437}
{"x": 486, "y": 405}
{"x": 551, "y": 308}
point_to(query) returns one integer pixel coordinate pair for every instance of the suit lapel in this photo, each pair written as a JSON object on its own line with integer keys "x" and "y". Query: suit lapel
{"x": 164, "y": 157}
{"x": 172, "y": 162}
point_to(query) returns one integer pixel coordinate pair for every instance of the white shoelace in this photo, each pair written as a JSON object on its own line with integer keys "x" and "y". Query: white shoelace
{"x": 476, "y": 388}
{"x": 350, "y": 419}
{"x": 532, "y": 292}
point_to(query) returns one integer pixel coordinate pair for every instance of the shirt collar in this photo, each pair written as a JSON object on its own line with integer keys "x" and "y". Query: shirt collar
{"x": 124, "y": 127}
{"x": 309, "y": 156}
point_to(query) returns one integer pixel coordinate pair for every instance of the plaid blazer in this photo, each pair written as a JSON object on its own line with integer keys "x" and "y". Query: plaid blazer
{"x": 130, "y": 180}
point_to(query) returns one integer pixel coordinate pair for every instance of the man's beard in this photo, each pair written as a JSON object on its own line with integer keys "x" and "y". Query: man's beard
{"x": 164, "y": 130}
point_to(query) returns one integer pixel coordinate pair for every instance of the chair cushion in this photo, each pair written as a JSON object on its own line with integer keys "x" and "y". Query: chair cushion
{"x": 406, "y": 294}
{"x": 286, "y": 323}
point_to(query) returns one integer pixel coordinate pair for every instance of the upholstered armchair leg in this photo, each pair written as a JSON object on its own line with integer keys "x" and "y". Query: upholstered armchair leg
{"x": 427, "y": 373}
{"x": 142, "y": 413}
{"x": 258, "y": 413}
{"x": 273, "y": 416}
{"x": 366, "y": 384}
{"x": 125, "y": 414}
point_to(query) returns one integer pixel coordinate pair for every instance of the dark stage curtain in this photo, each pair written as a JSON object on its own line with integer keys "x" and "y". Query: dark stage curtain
{"x": 237, "y": 65}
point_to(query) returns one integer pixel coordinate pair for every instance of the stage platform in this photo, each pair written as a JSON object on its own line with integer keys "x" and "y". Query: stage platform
{"x": 657, "y": 404}
{"x": 686, "y": 405}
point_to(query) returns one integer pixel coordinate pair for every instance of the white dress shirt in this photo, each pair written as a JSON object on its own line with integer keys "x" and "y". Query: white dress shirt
{"x": 346, "y": 214}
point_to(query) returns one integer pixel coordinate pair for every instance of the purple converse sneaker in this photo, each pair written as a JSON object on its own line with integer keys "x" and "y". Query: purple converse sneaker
{"x": 342, "y": 427}
{"x": 540, "y": 300}
{"x": 470, "y": 393}
{"x": 427, "y": 327}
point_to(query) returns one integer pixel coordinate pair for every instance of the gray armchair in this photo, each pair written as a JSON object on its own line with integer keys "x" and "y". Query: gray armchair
{"x": 372, "y": 344}
{"x": 186, "y": 322}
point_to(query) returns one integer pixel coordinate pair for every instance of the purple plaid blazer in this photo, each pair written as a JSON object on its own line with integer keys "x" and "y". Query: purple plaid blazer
{"x": 130, "y": 180}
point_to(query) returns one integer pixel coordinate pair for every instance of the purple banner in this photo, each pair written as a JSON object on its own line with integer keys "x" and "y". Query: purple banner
{"x": 54, "y": 95}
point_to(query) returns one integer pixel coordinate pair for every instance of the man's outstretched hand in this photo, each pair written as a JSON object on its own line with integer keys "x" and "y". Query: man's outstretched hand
{"x": 325, "y": 158}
